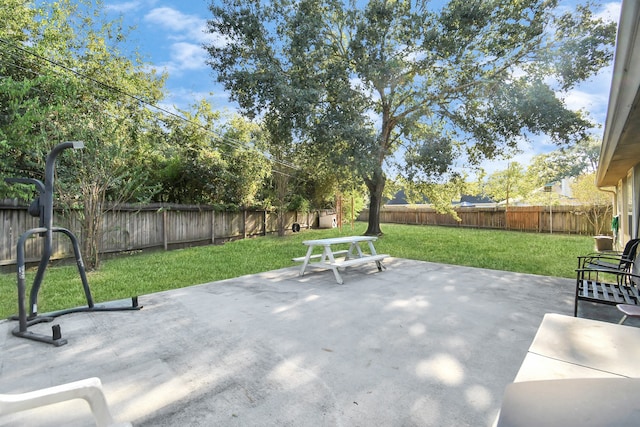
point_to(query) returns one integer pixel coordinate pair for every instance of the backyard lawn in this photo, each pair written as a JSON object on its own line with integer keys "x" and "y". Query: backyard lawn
{"x": 142, "y": 273}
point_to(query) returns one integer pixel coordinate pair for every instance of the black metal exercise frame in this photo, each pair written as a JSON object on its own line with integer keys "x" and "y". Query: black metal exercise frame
{"x": 42, "y": 207}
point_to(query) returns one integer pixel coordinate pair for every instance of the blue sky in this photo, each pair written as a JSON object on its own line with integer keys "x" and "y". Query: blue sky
{"x": 169, "y": 34}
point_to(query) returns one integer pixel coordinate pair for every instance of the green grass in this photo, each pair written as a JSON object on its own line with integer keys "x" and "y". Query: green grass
{"x": 143, "y": 273}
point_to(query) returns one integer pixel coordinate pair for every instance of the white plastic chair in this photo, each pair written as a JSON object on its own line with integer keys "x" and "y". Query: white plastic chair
{"x": 89, "y": 389}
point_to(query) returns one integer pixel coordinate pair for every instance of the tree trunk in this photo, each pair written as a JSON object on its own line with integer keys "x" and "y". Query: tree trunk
{"x": 376, "y": 187}
{"x": 281, "y": 189}
{"x": 91, "y": 229}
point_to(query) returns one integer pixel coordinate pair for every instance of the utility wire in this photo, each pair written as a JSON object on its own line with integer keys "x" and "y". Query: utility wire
{"x": 228, "y": 141}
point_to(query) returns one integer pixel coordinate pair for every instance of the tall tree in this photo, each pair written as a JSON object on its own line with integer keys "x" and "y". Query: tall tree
{"x": 596, "y": 205}
{"x": 205, "y": 159}
{"x": 407, "y": 85}
{"x": 190, "y": 168}
{"x": 508, "y": 184}
{"x": 242, "y": 143}
{"x": 574, "y": 161}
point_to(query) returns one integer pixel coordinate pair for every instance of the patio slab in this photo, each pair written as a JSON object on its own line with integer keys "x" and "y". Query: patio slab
{"x": 420, "y": 344}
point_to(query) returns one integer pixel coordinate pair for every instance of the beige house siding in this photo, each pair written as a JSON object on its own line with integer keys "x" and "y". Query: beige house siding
{"x": 626, "y": 205}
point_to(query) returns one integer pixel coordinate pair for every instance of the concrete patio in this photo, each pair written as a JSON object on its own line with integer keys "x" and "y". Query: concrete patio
{"x": 419, "y": 344}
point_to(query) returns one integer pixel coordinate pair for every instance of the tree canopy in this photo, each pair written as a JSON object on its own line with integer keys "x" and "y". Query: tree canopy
{"x": 404, "y": 88}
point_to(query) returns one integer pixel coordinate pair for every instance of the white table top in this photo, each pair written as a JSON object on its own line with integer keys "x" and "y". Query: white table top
{"x": 337, "y": 240}
{"x": 609, "y": 349}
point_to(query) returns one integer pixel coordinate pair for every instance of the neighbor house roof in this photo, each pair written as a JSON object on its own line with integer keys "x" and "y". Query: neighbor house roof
{"x": 621, "y": 142}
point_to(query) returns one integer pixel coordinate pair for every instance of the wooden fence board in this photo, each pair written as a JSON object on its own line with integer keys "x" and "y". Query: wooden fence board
{"x": 525, "y": 218}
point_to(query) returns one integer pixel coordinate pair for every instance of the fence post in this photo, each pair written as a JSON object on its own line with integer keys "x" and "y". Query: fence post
{"x": 244, "y": 223}
{"x": 164, "y": 230}
{"x": 213, "y": 226}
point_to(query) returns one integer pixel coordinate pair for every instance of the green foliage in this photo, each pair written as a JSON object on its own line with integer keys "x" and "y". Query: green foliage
{"x": 18, "y": 20}
{"x": 299, "y": 204}
{"x": 507, "y": 185}
{"x": 43, "y": 104}
{"x": 247, "y": 167}
{"x": 65, "y": 78}
{"x": 188, "y": 167}
{"x": 584, "y": 190}
{"x": 573, "y": 161}
{"x": 596, "y": 204}
{"x": 203, "y": 161}
{"x": 353, "y": 202}
{"x": 439, "y": 195}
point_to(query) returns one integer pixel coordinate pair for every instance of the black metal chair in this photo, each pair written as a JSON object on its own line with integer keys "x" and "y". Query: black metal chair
{"x": 612, "y": 261}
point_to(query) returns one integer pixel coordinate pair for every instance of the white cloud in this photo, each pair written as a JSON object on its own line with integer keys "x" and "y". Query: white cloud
{"x": 123, "y": 7}
{"x": 181, "y": 25}
{"x": 188, "y": 56}
{"x": 185, "y": 98}
{"x": 187, "y": 34}
{"x": 128, "y": 6}
{"x": 587, "y": 99}
{"x": 593, "y": 95}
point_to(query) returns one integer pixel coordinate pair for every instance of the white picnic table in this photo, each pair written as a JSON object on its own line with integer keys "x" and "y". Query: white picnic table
{"x": 353, "y": 256}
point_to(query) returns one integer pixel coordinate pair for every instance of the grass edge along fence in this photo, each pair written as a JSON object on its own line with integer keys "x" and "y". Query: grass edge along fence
{"x": 138, "y": 227}
{"x": 541, "y": 219}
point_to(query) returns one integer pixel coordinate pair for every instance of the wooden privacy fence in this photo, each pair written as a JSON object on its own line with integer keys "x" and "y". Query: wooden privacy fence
{"x": 135, "y": 227}
{"x": 542, "y": 219}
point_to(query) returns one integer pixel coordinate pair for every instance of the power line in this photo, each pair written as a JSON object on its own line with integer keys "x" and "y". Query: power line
{"x": 228, "y": 141}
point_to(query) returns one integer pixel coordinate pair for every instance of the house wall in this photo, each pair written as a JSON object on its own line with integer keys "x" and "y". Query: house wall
{"x": 635, "y": 197}
{"x": 627, "y": 206}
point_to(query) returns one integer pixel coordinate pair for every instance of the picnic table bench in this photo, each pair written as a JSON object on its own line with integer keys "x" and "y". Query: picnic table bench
{"x": 352, "y": 256}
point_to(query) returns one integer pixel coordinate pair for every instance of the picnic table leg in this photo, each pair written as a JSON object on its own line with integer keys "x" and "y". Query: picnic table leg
{"x": 328, "y": 255}
{"x": 306, "y": 260}
{"x": 350, "y": 253}
{"x": 356, "y": 246}
{"x": 379, "y": 264}
{"x": 337, "y": 274}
